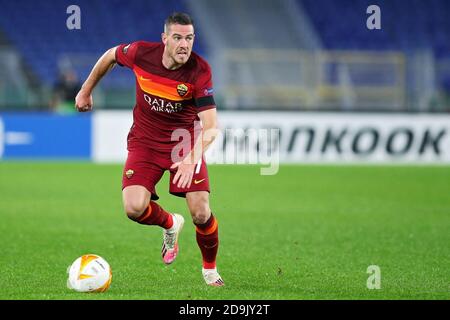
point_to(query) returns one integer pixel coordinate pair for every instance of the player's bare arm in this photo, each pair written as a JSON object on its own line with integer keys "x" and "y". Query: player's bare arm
{"x": 83, "y": 100}
{"x": 186, "y": 167}
{"x": 209, "y": 133}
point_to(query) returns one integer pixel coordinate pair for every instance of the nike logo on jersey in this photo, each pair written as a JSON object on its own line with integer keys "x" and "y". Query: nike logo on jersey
{"x": 198, "y": 181}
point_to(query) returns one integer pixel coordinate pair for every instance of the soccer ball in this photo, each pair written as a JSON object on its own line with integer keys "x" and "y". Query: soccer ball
{"x": 89, "y": 273}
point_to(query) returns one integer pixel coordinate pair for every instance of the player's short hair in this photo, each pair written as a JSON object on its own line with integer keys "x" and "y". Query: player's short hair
{"x": 178, "y": 18}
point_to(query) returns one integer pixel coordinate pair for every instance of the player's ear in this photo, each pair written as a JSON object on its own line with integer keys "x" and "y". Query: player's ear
{"x": 164, "y": 37}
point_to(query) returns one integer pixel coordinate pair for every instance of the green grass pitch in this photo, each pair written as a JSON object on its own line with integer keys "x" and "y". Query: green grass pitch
{"x": 309, "y": 232}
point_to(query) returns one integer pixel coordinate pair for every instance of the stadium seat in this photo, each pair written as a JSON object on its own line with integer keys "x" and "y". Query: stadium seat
{"x": 406, "y": 24}
{"x": 43, "y": 38}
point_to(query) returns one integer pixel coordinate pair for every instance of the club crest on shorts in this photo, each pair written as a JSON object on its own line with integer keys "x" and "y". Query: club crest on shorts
{"x": 182, "y": 89}
{"x": 129, "y": 173}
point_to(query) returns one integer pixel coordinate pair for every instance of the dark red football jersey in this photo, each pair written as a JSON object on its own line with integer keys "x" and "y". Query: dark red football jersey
{"x": 166, "y": 100}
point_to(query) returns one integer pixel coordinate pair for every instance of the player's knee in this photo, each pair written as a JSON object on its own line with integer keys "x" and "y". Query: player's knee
{"x": 135, "y": 208}
{"x": 135, "y": 201}
{"x": 200, "y": 213}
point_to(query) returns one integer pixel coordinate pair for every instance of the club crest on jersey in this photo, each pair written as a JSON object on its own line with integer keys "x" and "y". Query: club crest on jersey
{"x": 129, "y": 173}
{"x": 182, "y": 89}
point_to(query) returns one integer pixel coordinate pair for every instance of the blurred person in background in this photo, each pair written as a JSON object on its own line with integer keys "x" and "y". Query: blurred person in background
{"x": 64, "y": 92}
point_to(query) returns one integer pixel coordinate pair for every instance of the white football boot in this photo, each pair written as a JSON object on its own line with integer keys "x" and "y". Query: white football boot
{"x": 212, "y": 277}
{"x": 169, "y": 249}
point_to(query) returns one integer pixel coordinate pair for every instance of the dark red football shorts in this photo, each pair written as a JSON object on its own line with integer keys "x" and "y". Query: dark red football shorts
{"x": 145, "y": 167}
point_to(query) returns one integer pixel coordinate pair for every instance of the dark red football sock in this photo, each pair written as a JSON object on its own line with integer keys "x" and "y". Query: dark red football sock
{"x": 208, "y": 241}
{"x": 155, "y": 215}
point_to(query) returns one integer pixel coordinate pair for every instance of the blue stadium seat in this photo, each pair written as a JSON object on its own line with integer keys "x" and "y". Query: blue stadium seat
{"x": 406, "y": 24}
{"x": 38, "y": 30}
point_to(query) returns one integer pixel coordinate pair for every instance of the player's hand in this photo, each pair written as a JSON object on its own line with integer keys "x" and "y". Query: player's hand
{"x": 83, "y": 101}
{"x": 184, "y": 174}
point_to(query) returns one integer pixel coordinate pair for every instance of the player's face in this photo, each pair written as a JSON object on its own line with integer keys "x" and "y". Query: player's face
{"x": 179, "y": 40}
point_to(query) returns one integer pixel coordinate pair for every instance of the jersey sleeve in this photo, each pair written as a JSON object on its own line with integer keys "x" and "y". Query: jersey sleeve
{"x": 126, "y": 54}
{"x": 203, "y": 93}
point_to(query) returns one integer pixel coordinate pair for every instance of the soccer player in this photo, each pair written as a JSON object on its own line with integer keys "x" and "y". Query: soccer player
{"x": 173, "y": 92}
